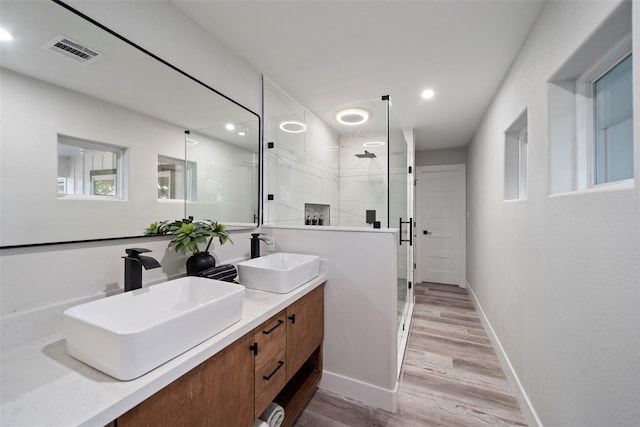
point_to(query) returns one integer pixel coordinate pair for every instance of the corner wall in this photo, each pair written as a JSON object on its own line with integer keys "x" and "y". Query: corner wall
{"x": 360, "y": 344}
{"x": 557, "y": 277}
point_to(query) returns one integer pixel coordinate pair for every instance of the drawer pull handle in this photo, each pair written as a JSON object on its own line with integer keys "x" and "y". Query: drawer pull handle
{"x": 280, "y": 322}
{"x": 268, "y": 377}
{"x": 254, "y": 348}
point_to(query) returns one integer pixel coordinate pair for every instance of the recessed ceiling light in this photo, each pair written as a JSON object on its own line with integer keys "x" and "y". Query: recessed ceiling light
{"x": 352, "y": 116}
{"x": 428, "y": 94}
{"x": 191, "y": 141}
{"x": 333, "y": 148}
{"x": 373, "y": 144}
{"x": 293, "y": 127}
{"x": 242, "y": 133}
{"x": 230, "y": 126}
{"x": 4, "y": 35}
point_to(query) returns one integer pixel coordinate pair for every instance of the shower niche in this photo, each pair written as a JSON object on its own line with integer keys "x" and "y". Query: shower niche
{"x": 317, "y": 214}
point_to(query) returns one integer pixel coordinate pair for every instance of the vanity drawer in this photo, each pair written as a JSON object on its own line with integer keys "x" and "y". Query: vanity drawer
{"x": 269, "y": 381}
{"x": 271, "y": 337}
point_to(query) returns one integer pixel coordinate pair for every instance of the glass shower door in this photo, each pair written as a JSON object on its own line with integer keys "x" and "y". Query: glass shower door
{"x": 398, "y": 217}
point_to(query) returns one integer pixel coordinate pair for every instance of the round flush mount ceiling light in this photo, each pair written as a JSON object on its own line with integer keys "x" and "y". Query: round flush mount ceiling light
{"x": 352, "y": 116}
{"x": 4, "y": 35}
{"x": 428, "y": 94}
{"x": 373, "y": 144}
{"x": 229, "y": 126}
{"x": 293, "y": 126}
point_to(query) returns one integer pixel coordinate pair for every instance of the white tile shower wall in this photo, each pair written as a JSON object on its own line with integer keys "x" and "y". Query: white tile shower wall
{"x": 301, "y": 168}
{"x": 363, "y": 181}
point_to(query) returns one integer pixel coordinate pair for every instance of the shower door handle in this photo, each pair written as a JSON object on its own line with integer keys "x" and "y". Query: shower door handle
{"x": 410, "y": 222}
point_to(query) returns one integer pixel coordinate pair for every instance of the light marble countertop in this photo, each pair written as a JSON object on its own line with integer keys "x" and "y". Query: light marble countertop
{"x": 42, "y": 385}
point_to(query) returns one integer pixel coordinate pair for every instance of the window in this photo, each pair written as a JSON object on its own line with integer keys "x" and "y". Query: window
{"x": 89, "y": 168}
{"x": 515, "y": 159}
{"x": 590, "y": 110}
{"x": 175, "y": 178}
{"x": 613, "y": 124}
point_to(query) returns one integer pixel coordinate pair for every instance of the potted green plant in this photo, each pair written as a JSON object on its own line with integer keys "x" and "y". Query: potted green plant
{"x": 187, "y": 235}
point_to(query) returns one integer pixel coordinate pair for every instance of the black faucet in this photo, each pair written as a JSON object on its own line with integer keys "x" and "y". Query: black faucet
{"x": 133, "y": 264}
{"x": 255, "y": 243}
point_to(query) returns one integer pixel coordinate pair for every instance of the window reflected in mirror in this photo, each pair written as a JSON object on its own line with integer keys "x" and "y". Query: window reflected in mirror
{"x": 87, "y": 168}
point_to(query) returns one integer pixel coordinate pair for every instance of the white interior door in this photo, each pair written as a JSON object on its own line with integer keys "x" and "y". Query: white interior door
{"x": 441, "y": 224}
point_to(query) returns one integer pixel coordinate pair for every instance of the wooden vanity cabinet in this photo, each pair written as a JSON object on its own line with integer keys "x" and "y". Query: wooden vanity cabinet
{"x": 270, "y": 360}
{"x": 280, "y": 360}
{"x": 305, "y": 329}
{"x": 218, "y": 392}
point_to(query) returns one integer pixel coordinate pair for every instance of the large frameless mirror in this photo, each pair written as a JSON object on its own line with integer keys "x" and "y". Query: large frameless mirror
{"x": 100, "y": 138}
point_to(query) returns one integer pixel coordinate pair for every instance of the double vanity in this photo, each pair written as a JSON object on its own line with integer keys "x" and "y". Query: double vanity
{"x": 191, "y": 351}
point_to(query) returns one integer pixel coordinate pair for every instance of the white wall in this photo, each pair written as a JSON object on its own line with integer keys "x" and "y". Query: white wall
{"x": 557, "y": 277}
{"x": 360, "y": 345}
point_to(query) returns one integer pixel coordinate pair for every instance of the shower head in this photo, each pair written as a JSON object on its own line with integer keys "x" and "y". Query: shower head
{"x": 366, "y": 155}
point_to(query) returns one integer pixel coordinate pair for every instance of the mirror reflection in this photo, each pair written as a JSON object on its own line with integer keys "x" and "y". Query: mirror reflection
{"x": 93, "y": 136}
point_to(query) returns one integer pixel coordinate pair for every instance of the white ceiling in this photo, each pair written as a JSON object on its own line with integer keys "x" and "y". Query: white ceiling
{"x": 330, "y": 53}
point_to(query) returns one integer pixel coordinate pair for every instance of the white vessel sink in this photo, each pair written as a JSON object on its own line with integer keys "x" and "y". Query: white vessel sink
{"x": 279, "y": 272}
{"x": 129, "y": 334}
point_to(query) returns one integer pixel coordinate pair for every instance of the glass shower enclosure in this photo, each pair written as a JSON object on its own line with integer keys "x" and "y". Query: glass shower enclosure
{"x": 343, "y": 166}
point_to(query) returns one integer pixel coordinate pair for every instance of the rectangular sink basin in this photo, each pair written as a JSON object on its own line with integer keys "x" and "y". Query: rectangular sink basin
{"x": 279, "y": 272}
{"x": 129, "y": 334}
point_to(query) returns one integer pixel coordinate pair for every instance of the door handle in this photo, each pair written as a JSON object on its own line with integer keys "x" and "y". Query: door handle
{"x": 425, "y": 232}
{"x": 400, "y": 239}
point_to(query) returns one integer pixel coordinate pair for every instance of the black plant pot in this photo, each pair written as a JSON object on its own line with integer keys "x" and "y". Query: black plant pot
{"x": 199, "y": 262}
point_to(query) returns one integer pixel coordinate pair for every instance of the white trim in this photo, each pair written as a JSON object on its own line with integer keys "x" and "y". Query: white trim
{"x": 462, "y": 169}
{"x": 516, "y": 386}
{"x": 368, "y": 394}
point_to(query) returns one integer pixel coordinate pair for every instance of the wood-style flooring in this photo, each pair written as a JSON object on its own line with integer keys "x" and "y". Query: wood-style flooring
{"x": 451, "y": 374}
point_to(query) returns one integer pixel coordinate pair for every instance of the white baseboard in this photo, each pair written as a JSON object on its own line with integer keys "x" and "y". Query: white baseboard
{"x": 521, "y": 395}
{"x": 526, "y": 406}
{"x": 368, "y": 394}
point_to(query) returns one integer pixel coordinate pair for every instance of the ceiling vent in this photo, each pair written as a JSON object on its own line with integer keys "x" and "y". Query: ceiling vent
{"x": 72, "y": 49}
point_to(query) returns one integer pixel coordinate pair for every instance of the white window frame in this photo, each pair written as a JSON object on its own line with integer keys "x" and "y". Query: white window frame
{"x": 585, "y": 111}
{"x": 515, "y": 169}
{"x": 120, "y": 175}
